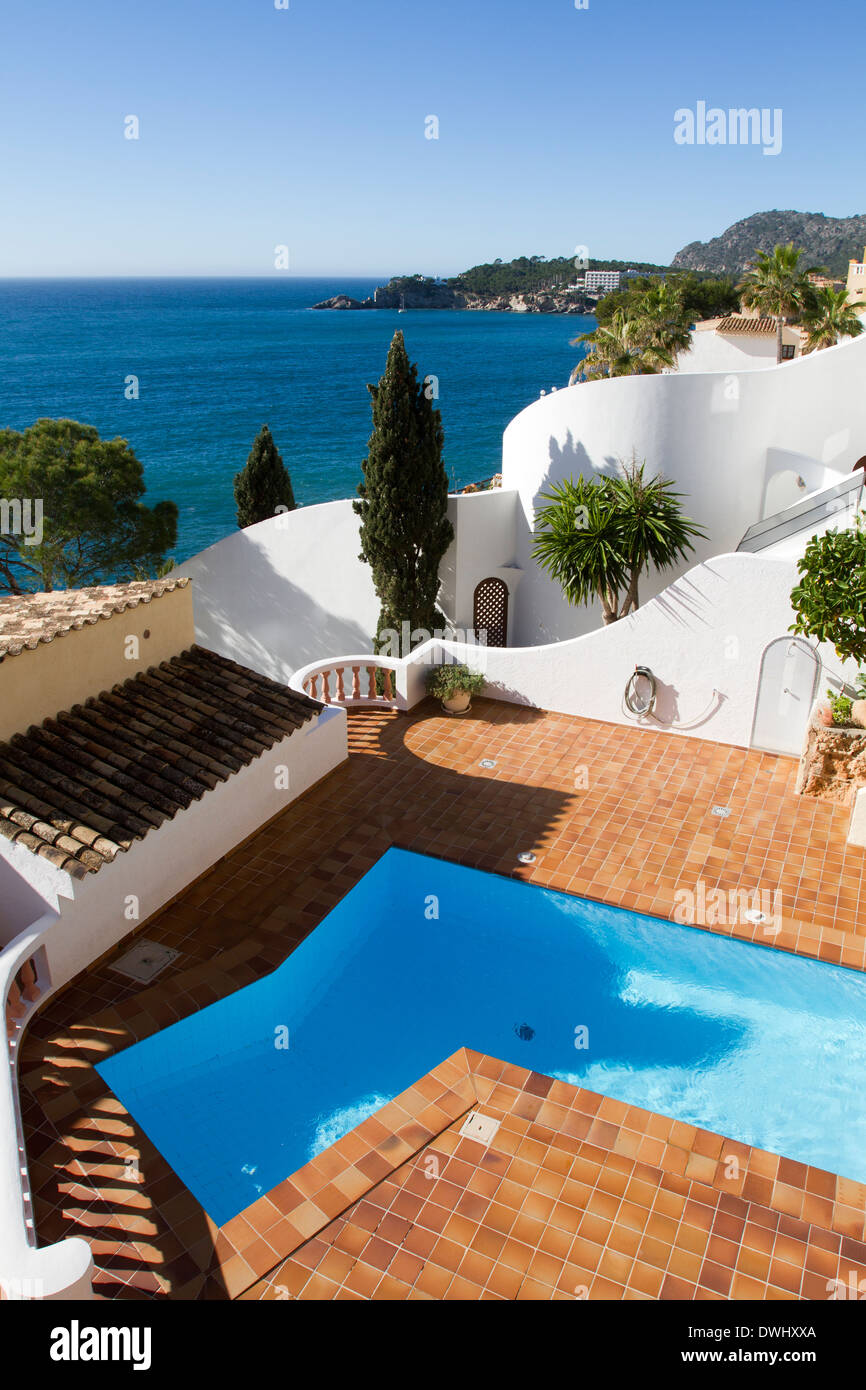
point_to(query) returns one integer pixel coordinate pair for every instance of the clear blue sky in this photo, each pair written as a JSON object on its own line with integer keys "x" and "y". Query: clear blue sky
{"x": 305, "y": 127}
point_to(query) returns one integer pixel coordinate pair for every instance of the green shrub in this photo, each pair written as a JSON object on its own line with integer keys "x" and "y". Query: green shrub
{"x": 445, "y": 681}
{"x": 830, "y": 599}
{"x": 841, "y": 707}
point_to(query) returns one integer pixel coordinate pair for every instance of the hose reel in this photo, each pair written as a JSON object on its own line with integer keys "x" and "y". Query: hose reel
{"x": 640, "y": 701}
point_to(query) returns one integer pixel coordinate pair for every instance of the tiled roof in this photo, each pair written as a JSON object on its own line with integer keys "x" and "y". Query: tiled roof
{"x": 28, "y": 619}
{"x": 745, "y": 323}
{"x": 80, "y": 787}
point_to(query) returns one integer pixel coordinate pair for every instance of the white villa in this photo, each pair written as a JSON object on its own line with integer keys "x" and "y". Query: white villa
{"x": 738, "y": 342}
{"x": 269, "y": 633}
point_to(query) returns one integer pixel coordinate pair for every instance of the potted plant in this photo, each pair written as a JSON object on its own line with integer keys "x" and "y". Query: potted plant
{"x": 454, "y": 686}
{"x": 840, "y": 706}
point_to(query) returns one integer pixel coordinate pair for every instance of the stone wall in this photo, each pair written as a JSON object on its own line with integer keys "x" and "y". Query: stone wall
{"x": 833, "y": 764}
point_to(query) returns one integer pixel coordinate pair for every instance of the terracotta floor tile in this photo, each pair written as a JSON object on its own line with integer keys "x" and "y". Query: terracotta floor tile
{"x": 581, "y": 1195}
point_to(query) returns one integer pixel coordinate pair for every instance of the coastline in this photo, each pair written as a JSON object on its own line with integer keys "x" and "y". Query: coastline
{"x": 429, "y": 295}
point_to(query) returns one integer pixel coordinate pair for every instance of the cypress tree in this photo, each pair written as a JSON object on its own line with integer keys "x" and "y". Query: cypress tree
{"x": 405, "y": 529}
{"x": 263, "y": 484}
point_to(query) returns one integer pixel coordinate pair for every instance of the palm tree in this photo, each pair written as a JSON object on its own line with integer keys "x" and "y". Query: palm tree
{"x": 596, "y": 538}
{"x": 611, "y": 349}
{"x": 778, "y": 286}
{"x": 638, "y": 341}
{"x": 663, "y": 326}
{"x": 832, "y": 317}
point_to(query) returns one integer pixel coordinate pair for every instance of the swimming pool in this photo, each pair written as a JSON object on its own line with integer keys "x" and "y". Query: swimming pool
{"x": 424, "y": 956}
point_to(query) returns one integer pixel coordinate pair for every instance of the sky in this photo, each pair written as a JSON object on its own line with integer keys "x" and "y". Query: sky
{"x": 306, "y": 127}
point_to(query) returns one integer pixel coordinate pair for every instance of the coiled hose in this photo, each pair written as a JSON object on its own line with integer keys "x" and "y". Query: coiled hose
{"x": 639, "y": 703}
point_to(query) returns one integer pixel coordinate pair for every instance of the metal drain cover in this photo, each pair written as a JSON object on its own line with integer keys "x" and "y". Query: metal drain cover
{"x": 527, "y": 857}
{"x": 487, "y": 762}
{"x": 145, "y": 961}
{"x": 481, "y": 1128}
{"x": 721, "y": 811}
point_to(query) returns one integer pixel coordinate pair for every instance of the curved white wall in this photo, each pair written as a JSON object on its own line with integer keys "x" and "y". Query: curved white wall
{"x": 286, "y": 591}
{"x": 292, "y": 589}
{"x": 719, "y": 436}
{"x": 703, "y": 638}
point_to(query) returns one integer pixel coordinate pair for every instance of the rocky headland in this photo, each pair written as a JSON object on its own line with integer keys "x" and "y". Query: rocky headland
{"x": 433, "y": 294}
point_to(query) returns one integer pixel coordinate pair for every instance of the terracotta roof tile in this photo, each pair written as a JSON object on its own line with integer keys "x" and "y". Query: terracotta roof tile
{"x": 28, "y": 619}
{"x": 86, "y": 784}
{"x": 746, "y": 323}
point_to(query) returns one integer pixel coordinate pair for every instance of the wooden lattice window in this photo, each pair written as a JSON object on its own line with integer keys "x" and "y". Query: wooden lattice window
{"x": 490, "y": 612}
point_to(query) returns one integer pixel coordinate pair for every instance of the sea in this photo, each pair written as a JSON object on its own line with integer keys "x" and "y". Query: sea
{"x": 188, "y": 370}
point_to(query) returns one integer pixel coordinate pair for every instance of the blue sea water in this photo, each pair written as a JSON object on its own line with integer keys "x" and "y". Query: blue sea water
{"x": 757, "y": 1044}
{"x": 217, "y": 359}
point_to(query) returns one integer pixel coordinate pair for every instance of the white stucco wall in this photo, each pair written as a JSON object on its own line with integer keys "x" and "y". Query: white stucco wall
{"x": 732, "y": 352}
{"x": 703, "y": 638}
{"x": 716, "y": 435}
{"x": 484, "y": 546}
{"x": 292, "y": 589}
{"x": 29, "y": 887}
{"x": 286, "y": 591}
{"x": 784, "y": 468}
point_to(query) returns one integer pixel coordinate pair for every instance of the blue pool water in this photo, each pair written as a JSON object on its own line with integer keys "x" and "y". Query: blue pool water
{"x": 758, "y": 1044}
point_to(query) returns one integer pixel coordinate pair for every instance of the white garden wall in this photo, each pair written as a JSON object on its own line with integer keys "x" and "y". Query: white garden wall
{"x": 485, "y": 545}
{"x": 286, "y": 591}
{"x": 717, "y": 435}
{"x": 292, "y": 589}
{"x": 703, "y": 638}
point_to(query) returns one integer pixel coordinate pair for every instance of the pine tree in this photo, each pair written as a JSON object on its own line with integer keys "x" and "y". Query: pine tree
{"x": 405, "y": 529}
{"x": 263, "y": 485}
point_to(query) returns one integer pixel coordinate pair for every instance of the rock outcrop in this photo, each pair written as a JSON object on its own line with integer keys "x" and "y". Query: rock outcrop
{"x": 417, "y": 292}
{"x": 833, "y": 765}
{"x": 340, "y": 301}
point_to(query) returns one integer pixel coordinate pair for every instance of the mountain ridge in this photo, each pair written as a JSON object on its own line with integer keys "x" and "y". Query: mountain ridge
{"x": 829, "y": 242}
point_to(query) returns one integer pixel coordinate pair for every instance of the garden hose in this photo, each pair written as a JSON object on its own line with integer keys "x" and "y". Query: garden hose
{"x": 640, "y": 704}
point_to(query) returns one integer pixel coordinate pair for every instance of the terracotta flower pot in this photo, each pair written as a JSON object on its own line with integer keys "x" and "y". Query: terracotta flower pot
{"x": 824, "y": 714}
{"x": 458, "y": 703}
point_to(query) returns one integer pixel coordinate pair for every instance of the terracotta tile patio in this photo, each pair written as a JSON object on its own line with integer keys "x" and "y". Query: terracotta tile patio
{"x": 623, "y": 816}
{"x": 577, "y": 1196}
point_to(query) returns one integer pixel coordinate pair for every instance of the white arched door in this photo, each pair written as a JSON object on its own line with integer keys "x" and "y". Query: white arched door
{"x": 787, "y": 686}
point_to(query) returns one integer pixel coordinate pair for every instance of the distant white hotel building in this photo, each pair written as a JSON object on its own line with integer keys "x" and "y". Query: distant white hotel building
{"x": 602, "y": 280}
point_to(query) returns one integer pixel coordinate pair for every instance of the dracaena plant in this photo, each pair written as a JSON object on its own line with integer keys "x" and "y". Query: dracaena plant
{"x": 597, "y": 537}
